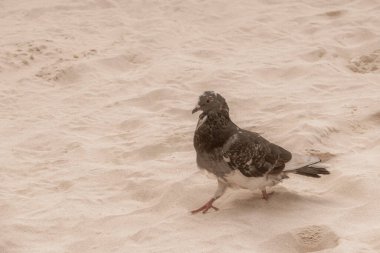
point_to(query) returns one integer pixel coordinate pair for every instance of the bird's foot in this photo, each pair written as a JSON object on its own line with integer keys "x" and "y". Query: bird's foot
{"x": 206, "y": 207}
{"x": 265, "y": 194}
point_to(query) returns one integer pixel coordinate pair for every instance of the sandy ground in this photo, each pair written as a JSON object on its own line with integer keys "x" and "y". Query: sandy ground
{"x": 96, "y": 126}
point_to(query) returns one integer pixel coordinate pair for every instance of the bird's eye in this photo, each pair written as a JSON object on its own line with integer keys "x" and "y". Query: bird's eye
{"x": 207, "y": 101}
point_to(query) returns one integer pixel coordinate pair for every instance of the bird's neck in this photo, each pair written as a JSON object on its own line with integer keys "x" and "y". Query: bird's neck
{"x": 222, "y": 115}
{"x": 213, "y": 131}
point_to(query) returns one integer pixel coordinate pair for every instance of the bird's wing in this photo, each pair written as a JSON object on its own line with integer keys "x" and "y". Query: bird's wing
{"x": 253, "y": 155}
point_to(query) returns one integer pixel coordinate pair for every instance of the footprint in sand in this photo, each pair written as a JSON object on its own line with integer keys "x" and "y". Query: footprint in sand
{"x": 314, "y": 55}
{"x": 41, "y": 52}
{"x": 335, "y": 13}
{"x": 55, "y": 73}
{"x": 369, "y": 63}
{"x": 314, "y": 238}
{"x": 64, "y": 69}
{"x": 324, "y": 156}
{"x": 305, "y": 239}
{"x": 18, "y": 55}
{"x": 375, "y": 117}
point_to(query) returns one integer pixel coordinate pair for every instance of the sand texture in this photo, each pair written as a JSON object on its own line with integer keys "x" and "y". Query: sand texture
{"x": 96, "y": 126}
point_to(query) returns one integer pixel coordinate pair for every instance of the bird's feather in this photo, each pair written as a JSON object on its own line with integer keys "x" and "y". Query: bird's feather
{"x": 253, "y": 155}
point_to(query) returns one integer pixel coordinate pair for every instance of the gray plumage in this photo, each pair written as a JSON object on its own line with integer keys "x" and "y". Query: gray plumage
{"x": 222, "y": 148}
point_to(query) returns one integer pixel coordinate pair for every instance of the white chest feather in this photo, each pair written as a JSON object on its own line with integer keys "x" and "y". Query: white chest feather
{"x": 237, "y": 179}
{"x": 201, "y": 122}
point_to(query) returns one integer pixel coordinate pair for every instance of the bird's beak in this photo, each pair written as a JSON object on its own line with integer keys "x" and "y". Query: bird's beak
{"x": 197, "y": 108}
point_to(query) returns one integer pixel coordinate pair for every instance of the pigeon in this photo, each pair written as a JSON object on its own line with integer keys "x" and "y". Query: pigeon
{"x": 237, "y": 157}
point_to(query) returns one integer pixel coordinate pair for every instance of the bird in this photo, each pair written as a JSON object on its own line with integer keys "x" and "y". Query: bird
{"x": 238, "y": 158}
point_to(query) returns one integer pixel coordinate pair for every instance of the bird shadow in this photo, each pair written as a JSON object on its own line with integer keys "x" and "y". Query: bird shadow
{"x": 281, "y": 199}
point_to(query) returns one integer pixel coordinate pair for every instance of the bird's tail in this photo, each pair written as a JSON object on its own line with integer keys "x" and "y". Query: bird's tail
{"x": 309, "y": 171}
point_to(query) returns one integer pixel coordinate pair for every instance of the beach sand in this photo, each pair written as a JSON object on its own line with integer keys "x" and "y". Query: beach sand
{"x": 96, "y": 126}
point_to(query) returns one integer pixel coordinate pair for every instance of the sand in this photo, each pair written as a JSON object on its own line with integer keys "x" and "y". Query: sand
{"x": 96, "y": 126}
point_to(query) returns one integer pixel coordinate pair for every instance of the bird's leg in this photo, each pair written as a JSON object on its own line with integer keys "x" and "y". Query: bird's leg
{"x": 265, "y": 194}
{"x": 219, "y": 192}
{"x": 206, "y": 207}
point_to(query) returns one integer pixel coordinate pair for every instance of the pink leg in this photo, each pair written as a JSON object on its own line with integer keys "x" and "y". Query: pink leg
{"x": 265, "y": 194}
{"x": 206, "y": 207}
{"x": 219, "y": 192}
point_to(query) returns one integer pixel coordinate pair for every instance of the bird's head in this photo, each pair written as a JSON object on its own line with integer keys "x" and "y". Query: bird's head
{"x": 211, "y": 101}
